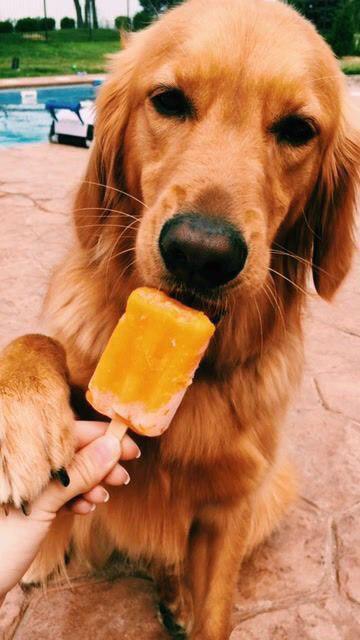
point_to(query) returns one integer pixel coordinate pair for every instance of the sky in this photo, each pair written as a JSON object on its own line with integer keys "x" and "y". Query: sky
{"x": 107, "y": 9}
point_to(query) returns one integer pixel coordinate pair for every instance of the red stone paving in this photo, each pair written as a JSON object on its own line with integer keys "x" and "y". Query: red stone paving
{"x": 304, "y": 583}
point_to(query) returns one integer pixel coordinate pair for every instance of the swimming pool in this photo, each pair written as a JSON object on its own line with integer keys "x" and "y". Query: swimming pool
{"x": 23, "y": 117}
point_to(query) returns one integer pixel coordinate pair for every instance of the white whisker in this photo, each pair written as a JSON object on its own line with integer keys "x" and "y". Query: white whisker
{"x": 290, "y": 254}
{"x": 296, "y": 286}
{"x": 104, "y": 209}
{"x": 108, "y": 226}
{"x": 124, "y": 193}
{"x": 121, "y": 253}
{"x": 261, "y": 328}
{"x": 268, "y": 290}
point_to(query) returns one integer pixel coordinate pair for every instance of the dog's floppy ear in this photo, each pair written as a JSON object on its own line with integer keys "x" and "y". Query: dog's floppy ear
{"x": 99, "y": 190}
{"x": 331, "y": 212}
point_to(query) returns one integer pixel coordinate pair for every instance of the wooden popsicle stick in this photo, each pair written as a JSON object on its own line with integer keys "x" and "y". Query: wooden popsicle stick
{"x": 118, "y": 428}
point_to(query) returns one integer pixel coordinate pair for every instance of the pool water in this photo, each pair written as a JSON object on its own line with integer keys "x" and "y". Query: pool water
{"x": 23, "y": 117}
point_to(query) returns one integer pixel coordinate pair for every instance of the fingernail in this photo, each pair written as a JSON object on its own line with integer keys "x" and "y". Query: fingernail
{"x": 93, "y": 507}
{"x": 106, "y": 495}
{"x": 108, "y": 448}
{"x": 127, "y": 478}
{"x": 138, "y": 455}
{"x": 62, "y": 476}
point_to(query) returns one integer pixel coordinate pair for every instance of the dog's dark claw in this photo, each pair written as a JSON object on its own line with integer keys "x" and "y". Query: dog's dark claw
{"x": 62, "y": 476}
{"x": 169, "y": 623}
{"x": 25, "y": 508}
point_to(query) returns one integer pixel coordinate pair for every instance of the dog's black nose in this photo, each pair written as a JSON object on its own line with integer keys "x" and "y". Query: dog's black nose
{"x": 201, "y": 251}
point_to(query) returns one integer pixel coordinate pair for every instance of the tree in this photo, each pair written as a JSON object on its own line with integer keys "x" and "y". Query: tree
{"x": 87, "y": 13}
{"x": 151, "y": 9}
{"x": 91, "y": 14}
{"x": 342, "y": 33}
{"x": 94, "y": 14}
{"x": 79, "y": 18}
{"x": 154, "y": 7}
{"x": 320, "y": 12}
{"x": 142, "y": 20}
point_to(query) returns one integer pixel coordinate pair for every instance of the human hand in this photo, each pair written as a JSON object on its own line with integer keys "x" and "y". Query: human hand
{"x": 96, "y": 461}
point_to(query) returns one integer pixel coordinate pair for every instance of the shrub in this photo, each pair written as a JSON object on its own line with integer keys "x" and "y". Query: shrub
{"x": 67, "y": 23}
{"x": 47, "y": 24}
{"x": 27, "y": 25}
{"x": 142, "y": 20}
{"x": 341, "y": 37}
{"x": 123, "y": 23}
{"x": 6, "y": 27}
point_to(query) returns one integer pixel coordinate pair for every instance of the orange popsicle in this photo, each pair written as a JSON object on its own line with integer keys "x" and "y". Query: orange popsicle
{"x": 149, "y": 362}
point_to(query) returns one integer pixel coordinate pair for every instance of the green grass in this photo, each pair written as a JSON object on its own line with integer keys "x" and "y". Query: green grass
{"x": 63, "y": 50}
{"x": 351, "y": 65}
{"x": 71, "y": 50}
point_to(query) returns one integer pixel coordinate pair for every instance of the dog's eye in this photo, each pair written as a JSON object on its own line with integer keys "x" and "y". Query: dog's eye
{"x": 294, "y": 130}
{"x": 172, "y": 103}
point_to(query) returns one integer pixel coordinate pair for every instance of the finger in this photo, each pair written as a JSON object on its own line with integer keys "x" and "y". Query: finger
{"x": 81, "y": 507}
{"x": 117, "y": 476}
{"x": 129, "y": 449}
{"x": 97, "y": 495}
{"x": 93, "y": 463}
{"x": 86, "y": 432}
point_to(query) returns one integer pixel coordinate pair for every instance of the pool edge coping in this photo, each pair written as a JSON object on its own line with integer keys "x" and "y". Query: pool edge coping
{"x": 48, "y": 81}
{"x": 56, "y": 80}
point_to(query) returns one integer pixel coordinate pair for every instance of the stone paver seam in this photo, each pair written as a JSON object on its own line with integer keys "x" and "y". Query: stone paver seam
{"x": 342, "y": 592}
{"x": 11, "y": 633}
{"x": 311, "y": 504}
{"x": 326, "y": 406}
{"x": 338, "y": 513}
{"x": 310, "y": 598}
{"x": 24, "y": 195}
{"x": 347, "y": 332}
{"x": 36, "y": 202}
{"x": 34, "y": 599}
{"x": 336, "y": 563}
{"x": 331, "y": 553}
{"x": 325, "y": 586}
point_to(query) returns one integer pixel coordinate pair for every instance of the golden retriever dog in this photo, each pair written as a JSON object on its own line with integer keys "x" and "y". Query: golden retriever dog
{"x": 224, "y": 172}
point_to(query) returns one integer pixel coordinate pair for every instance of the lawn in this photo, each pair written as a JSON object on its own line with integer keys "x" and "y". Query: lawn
{"x": 69, "y": 51}
{"x": 66, "y": 51}
{"x": 351, "y": 65}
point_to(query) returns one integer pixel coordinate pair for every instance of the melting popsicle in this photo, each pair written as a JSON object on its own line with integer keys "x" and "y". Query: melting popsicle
{"x": 149, "y": 362}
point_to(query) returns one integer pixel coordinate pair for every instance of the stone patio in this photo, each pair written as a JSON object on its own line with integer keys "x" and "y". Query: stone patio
{"x": 304, "y": 584}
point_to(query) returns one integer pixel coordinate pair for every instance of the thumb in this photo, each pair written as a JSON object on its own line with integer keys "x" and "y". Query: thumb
{"x": 90, "y": 466}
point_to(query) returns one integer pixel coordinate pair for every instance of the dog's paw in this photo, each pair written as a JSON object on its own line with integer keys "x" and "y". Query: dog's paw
{"x": 36, "y": 422}
{"x": 176, "y": 608}
{"x": 167, "y": 619}
{"x": 36, "y": 442}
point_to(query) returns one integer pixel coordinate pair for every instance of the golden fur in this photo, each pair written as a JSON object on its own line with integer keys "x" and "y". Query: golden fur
{"x": 215, "y": 485}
